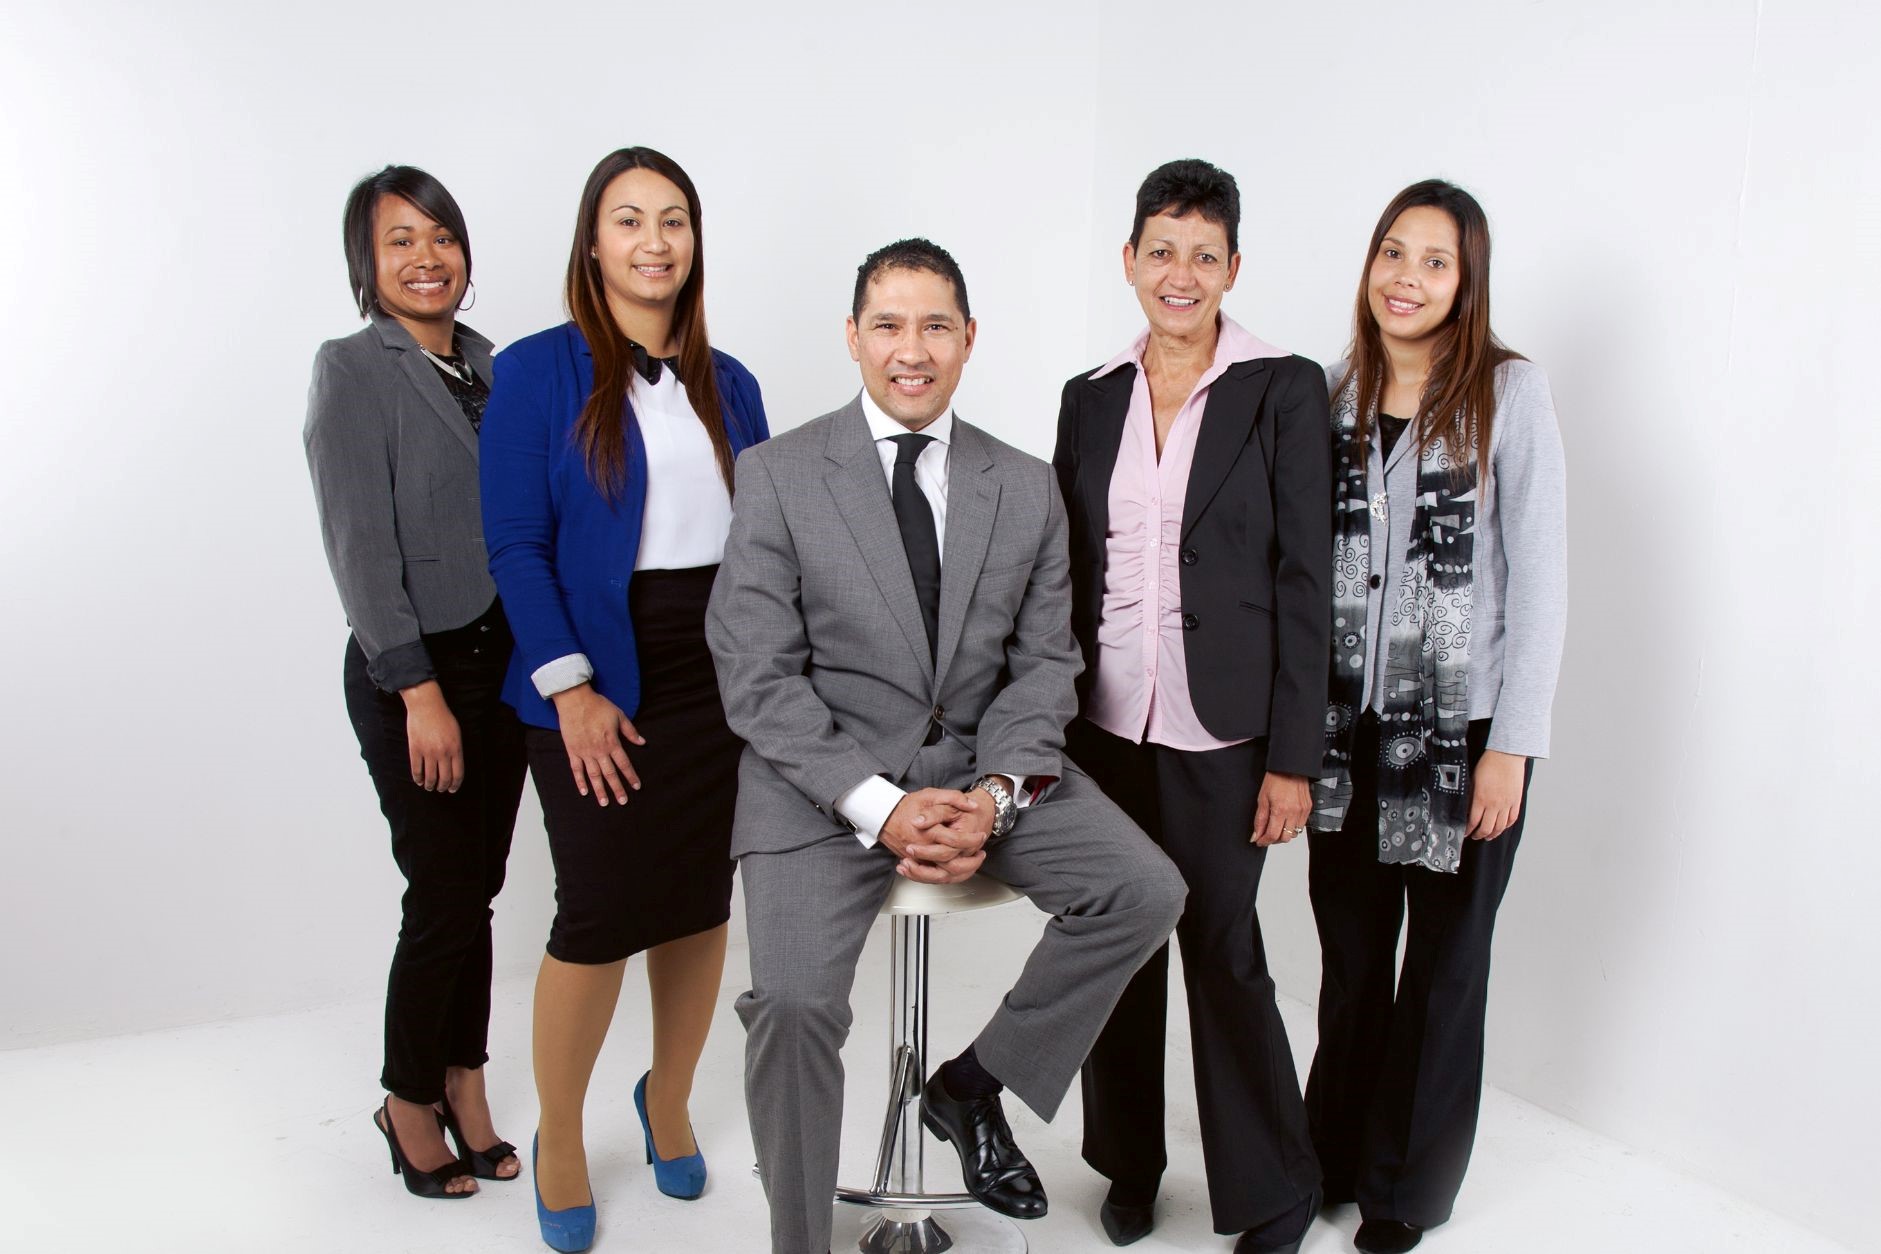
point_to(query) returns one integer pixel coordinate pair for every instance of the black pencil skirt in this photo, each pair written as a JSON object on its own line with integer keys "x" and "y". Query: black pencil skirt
{"x": 629, "y": 877}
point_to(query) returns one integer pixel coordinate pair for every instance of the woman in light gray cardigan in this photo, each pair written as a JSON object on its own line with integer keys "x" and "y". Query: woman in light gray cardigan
{"x": 392, "y": 427}
{"x": 1449, "y": 606}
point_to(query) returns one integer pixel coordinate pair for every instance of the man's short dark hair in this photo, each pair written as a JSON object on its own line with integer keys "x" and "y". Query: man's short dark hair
{"x": 407, "y": 183}
{"x": 1190, "y": 186}
{"x": 910, "y": 254}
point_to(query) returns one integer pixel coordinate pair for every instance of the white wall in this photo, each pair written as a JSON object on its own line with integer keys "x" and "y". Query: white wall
{"x": 1685, "y": 203}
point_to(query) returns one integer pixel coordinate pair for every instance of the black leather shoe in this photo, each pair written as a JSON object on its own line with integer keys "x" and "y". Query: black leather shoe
{"x": 991, "y": 1166}
{"x": 1124, "y": 1222}
{"x": 1387, "y": 1236}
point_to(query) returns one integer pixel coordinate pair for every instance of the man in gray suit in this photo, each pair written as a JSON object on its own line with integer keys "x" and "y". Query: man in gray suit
{"x": 891, "y": 625}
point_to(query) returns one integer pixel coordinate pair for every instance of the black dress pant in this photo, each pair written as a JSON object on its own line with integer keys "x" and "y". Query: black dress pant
{"x": 1199, "y": 808}
{"x": 451, "y": 848}
{"x": 1398, "y": 1078}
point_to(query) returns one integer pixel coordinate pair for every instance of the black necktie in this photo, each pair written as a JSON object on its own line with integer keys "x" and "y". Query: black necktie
{"x": 915, "y": 517}
{"x": 648, "y": 365}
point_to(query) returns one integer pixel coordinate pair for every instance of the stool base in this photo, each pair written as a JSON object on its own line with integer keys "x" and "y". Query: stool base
{"x": 869, "y": 1230}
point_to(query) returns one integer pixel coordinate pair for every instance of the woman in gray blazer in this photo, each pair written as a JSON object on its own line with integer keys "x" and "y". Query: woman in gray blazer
{"x": 392, "y": 425}
{"x": 1449, "y": 607}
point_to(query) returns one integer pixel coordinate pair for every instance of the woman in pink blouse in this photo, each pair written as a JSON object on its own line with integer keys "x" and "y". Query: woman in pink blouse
{"x": 1196, "y": 471}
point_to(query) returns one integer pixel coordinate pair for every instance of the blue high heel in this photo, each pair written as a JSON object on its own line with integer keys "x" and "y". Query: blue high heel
{"x": 570, "y": 1230}
{"x": 683, "y": 1178}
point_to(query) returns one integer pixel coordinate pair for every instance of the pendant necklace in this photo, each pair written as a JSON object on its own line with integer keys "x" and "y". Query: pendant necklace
{"x": 461, "y": 373}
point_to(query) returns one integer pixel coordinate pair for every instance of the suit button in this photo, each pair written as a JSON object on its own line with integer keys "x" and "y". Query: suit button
{"x": 1189, "y": 557}
{"x": 940, "y": 712}
{"x": 1378, "y": 581}
{"x": 1190, "y": 622}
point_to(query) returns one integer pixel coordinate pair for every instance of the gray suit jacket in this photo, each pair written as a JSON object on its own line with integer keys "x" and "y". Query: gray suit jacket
{"x": 394, "y": 464}
{"x": 817, "y": 633}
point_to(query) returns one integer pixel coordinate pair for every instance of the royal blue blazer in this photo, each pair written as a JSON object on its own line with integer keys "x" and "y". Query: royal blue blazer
{"x": 562, "y": 554}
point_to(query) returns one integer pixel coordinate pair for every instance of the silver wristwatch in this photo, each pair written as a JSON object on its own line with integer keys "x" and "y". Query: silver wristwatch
{"x": 1005, "y": 809}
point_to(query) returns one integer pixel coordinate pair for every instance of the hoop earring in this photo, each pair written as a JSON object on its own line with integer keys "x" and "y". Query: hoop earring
{"x": 472, "y": 289}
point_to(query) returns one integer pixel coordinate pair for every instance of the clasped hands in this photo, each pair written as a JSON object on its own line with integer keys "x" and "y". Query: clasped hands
{"x": 939, "y": 835}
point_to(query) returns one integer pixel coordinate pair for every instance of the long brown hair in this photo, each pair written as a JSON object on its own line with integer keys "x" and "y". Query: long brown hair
{"x": 1458, "y": 407}
{"x": 602, "y": 430}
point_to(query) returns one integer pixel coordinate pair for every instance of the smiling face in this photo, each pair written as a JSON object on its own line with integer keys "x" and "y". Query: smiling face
{"x": 1180, "y": 267}
{"x": 643, "y": 242}
{"x": 912, "y": 342}
{"x": 418, "y": 265}
{"x": 1414, "y": 277}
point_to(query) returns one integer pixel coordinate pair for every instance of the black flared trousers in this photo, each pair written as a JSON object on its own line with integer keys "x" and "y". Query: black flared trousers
{"x": 1397, "y": 1081}
{"x": 1198, "y": 806}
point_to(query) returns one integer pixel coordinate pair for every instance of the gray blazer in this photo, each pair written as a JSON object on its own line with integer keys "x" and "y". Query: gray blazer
{"x": 817, "y": 633}
{"x": 394, "y": 464}
{"x": 1518, "y": 590}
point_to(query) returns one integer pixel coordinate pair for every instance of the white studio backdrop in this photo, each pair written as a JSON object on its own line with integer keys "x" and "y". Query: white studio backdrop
{"x": 1684, "y": 197}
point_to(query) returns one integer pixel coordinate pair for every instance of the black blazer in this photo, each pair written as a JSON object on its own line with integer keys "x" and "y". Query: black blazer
{"x": 1256, "y": 547}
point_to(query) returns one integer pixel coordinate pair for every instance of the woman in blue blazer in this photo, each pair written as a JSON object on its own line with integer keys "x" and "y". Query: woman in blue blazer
{"x": 607, "y": 476}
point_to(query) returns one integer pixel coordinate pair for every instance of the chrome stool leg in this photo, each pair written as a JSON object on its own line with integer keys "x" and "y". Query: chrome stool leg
{"x": 895, "y": 1215}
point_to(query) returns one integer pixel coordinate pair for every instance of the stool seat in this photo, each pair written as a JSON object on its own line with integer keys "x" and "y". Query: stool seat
{"x": 913, "y": 897}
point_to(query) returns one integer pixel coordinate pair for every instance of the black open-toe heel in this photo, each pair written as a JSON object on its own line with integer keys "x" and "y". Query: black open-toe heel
{"x": 421, "y": 1183}
{"x": 483, "y": 1163}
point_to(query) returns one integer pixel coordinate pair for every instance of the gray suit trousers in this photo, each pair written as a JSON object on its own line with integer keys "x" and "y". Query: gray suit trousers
{"x": 1113, "y": 898}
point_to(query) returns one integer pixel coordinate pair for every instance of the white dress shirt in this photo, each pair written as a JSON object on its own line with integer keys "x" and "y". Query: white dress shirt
{"x": 687, "y": 512}
{"x": 868, "y": 805}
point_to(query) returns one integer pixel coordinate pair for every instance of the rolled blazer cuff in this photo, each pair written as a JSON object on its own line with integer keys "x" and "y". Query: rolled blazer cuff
{"x": 402, "y": 666}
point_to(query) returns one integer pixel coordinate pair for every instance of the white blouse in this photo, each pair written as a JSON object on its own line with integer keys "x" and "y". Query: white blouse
{"x": 688, "y": 511}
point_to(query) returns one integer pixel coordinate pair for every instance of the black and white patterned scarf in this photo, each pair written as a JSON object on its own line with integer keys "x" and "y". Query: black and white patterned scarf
{"x": 1423, "y": 734}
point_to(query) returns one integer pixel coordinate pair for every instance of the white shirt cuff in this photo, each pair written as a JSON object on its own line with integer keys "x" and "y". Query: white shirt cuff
{"x": 562, "y": 674}
{"x": 868, "y": 805}
{"x": 1021, "y": 788}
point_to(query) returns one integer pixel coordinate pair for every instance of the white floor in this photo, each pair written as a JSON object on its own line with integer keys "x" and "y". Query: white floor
{"x": 255, "y": 1135}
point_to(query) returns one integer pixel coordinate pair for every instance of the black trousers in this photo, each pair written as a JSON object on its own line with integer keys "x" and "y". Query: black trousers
{"x": 1397, "y": 1082}
{"x": 451, "y": 848}
{"x": 1199, "y": 807}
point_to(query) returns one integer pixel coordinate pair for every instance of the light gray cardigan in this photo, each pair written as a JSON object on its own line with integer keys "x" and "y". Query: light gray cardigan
{"x": 394, "y": 465}
{"x": 1518, "y": 613}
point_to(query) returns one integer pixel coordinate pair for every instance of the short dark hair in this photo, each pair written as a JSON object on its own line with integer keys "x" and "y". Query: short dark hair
{"x": 910, "y": 254}
{"x": 407, "y": 183}
{"x": 1180, "y": 188}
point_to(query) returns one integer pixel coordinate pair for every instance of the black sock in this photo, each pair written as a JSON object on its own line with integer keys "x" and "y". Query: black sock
{"x": 965, "y": 1079}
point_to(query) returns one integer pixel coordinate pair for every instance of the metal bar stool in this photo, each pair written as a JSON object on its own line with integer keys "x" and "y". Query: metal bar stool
{"x": 895, "y": 1215}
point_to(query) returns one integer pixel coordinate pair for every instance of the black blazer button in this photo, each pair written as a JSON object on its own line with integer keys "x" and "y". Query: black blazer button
{"x": 940, "y": 712}
{"x": 1378, "y": 581}
{"x": 1189, "y": 557}
{"x": 1190, "y": 622}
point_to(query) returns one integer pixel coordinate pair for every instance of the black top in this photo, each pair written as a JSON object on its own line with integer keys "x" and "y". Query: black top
{"x": 471, "y": 396}
{"x": 1389, "y": 429}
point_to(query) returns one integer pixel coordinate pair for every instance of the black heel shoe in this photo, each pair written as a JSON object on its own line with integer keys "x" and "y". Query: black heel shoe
{"x": 1387, "y": 1236}
{"x": 482, "y": 1163}
{"x": 420, "y": 1183}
